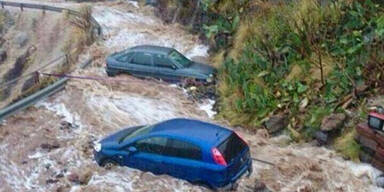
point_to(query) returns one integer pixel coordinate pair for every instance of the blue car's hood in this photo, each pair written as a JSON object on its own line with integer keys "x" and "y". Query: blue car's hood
{"x": 115, "y": 137}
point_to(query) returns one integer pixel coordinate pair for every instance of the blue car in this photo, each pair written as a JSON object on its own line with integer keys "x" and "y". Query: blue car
{"x": 193, "y": 150}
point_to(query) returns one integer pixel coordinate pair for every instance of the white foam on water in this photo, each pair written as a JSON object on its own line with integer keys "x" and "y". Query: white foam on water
{"x": 207, "y": 106}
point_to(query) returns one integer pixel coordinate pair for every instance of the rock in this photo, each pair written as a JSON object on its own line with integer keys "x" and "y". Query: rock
{"x": 21, "y": 39}
{"x": 380, "y": 181}
{"x": 73, "y": 177}
{"x": 67, "y": 125}
{"x": 49, "y": 181}
{"x": 49, "y": 147}
{"x": 3, "y": 55}
{"x": 60, "y": 175}
{"x": 260, "y": 187}
{"x": 333, "y": 122}
{"x": 321, "y": 138}
{"x": 276, "y": 123}
{"x": 85, "y": 176}
{"x": 360, "y": 89}
{"x": 81, "y": 177}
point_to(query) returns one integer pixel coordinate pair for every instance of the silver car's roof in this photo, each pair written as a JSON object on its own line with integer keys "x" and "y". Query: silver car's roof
{"x": 152, "y": 49}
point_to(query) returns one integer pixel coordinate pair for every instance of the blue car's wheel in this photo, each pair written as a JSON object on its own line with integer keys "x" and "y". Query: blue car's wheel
{"x": 108, "y": 163}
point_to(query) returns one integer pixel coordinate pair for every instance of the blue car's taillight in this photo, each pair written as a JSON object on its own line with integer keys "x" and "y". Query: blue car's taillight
{"x": 218, "y": 157}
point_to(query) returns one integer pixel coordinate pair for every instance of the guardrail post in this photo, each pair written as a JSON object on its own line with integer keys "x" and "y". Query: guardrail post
{"x": 43, "y": 8}
{"x": 21, "y": 7}
{"x": 66, "y": 59}
{"x": 2, "y": 5}
{"x": 37, "y": 77}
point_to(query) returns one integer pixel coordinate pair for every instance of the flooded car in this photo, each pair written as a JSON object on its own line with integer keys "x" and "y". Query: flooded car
{"x": 158, "y": 62}
{"x": 193, "y": 150}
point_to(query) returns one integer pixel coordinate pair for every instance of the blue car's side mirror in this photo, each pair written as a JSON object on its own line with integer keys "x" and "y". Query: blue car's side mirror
{"x": 132, "y": 149}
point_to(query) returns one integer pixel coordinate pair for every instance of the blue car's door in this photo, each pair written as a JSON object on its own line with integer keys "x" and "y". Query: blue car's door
{"x": 184, "y": 160}
{"x": 141, "y": 64}
{"x": 165, "y": 69}
{"x": 148, "y": 156}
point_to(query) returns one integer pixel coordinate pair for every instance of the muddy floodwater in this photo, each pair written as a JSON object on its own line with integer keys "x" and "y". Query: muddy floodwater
{"x": 48, "y": 147}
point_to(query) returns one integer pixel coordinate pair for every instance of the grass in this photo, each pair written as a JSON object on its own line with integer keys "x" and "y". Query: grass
{"x": 82, "y": 34}
{"x": 347, "y": 145}
{"x": 284, "y": 55}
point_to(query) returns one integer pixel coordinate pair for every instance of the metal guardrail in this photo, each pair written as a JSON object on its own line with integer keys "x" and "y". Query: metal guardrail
{"x": 49, "y": 8}
{"x": 39, "y": 95}
{"x": 58, "y": 85}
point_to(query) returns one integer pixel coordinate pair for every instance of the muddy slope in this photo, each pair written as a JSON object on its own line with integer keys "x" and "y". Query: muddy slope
{"x": 29, "y": 40}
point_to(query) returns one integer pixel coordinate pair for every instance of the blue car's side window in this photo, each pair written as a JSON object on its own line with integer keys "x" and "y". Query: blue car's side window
{"x": 181, "y": 149}
{"x": 151, "y": 145}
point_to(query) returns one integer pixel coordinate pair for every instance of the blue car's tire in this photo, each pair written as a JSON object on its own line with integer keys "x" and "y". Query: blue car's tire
{"x": 108, "y": 163}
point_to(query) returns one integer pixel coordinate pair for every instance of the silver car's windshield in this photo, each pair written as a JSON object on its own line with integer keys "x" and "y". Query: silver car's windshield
{"x": 179, "y": 59}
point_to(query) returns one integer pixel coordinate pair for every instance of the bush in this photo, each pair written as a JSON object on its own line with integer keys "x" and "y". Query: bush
{"x": 300, "y": 57}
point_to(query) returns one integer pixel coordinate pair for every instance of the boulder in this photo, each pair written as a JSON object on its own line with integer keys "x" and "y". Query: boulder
{"x": 260, "y": 187}
{"x": 321, "y": 138}
{"x": 333, "y": 122}
{"x": 276, "y": 123}
{"x": 380, "y": 181}
{"x": 49, "y": 146}
{"x": 81, "y": 177}
{"x": 73, "y": 177}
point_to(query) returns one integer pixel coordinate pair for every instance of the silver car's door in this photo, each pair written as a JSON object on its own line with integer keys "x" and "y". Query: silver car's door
{"x": 141, "y": 64}
{"x": 164, "y": 68}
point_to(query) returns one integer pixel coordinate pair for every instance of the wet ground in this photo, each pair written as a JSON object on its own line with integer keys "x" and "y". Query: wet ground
{"x": 48, "y": 147}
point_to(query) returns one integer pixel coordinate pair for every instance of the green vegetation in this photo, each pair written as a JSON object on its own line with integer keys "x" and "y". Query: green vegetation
{"x": 303, "y": 58}
{"x": 347, "y": 146}
{"x": 83, "y": 33}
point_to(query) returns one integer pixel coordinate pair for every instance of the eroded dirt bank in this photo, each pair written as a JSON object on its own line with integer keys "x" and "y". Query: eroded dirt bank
{"x": 49, "y": 147}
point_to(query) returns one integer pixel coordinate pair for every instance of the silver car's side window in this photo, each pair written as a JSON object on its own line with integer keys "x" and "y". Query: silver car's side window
{"x": 142, "y": 59}
{"x": 162, "y": 61}
{"x": 126, "y": 57}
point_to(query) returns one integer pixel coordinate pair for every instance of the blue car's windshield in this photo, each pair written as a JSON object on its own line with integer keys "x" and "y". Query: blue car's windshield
{"x": 140, "y": 131}
{"x": 179, "y": 59}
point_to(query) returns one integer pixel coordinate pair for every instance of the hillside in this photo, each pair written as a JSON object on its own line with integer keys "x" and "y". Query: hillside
{"x": 29, "y": 41}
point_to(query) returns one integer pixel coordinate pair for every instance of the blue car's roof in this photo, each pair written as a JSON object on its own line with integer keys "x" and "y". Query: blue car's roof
{"x": 196, "y": 131}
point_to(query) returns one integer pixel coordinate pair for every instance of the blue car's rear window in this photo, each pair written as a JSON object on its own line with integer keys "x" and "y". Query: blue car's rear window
{"x": 231, "y": 147}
